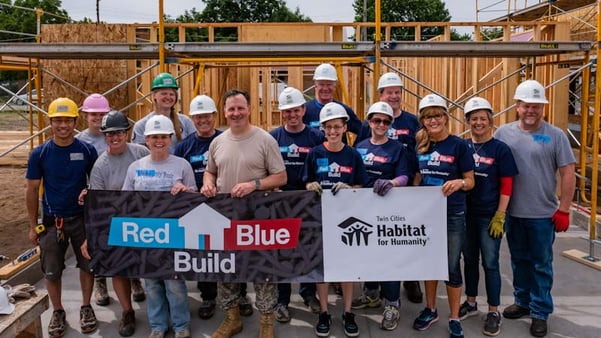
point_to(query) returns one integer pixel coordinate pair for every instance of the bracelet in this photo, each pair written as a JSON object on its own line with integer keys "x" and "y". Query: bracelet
{"x": 462, "y": 183}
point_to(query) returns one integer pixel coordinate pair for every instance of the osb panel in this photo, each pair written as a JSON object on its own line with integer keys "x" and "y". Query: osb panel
{"x": 89, "y": 76}
{"x": 285, "y": 33}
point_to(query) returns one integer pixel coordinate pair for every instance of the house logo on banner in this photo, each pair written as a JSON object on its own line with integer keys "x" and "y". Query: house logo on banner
{"x": 355, "y": 232}
{"x": 203, "y": 228}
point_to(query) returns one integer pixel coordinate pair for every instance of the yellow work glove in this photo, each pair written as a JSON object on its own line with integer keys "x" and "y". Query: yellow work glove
{"x": 496, "y": 225}
{"x": 314, "y": 186}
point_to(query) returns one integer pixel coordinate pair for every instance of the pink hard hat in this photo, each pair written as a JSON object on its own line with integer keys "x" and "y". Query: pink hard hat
{"x": 95, "y": 103}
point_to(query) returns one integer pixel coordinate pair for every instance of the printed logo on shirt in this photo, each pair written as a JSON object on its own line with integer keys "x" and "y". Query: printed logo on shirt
{"x": 294, "y": 151}
{"x": 394, "y": 134}
{"x": 76, "y": 156}
{"x": 314, "y": 124}
{"x": 146, "y": 172}
{"x": 200, "y": 158}
{"x": 334, "y": 169}
{"x": 435, "y": 158}
{"x": 370, "y": 158}
{"x": 541, "y": 138}
{"x": 482, "y": 159}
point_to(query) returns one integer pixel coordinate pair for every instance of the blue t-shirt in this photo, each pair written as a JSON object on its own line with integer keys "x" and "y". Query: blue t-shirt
{"x": 385, "y": 161}
{"x": 64, "y": 171}
{"x": 195, "y": 150}
{"x": 444, "y": 161}
{"x": 311, "y": 117}
{"x": 493, "y": 160}
{"x": 327, "y": 168}
{"x": 294, "y": 148}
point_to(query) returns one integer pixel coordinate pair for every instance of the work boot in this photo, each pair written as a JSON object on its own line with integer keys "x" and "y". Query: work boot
{"x": 230, "y": 325}
{"x": 266, "y": 325}
{"x": 101, "y": 294}
{"x": 137, "y": 291}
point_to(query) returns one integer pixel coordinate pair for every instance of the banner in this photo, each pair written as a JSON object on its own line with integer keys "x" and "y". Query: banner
{"x": 265, "y": 236}
{"x": 401, "y": 236}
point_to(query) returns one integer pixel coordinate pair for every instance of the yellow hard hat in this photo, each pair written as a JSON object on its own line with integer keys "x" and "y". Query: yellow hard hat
{"x": 63, "y": 107}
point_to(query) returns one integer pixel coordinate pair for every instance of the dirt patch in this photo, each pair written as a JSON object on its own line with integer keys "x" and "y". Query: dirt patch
{"x": 14, "y": 225}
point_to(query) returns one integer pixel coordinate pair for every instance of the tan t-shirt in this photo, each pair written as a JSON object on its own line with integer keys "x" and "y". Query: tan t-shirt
{"x": 236, "y": 159}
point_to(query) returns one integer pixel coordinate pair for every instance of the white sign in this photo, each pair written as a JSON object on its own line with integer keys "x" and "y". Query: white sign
{"x": 401, "y": 236}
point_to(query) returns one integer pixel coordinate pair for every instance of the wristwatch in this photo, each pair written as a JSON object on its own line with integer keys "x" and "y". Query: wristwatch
{"x": 257, "y": 183}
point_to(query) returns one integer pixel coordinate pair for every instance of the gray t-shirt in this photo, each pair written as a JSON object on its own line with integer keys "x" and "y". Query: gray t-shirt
{"x": 538, "y": 155}
{"x": 109, "y": 171}
{"x": 187, "y": 128}
{"x": 148, "y": 175}
{"x": 97, "y": 141}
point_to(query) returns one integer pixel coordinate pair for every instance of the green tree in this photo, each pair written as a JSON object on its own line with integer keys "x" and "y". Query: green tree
{"x": 408, "y": 11}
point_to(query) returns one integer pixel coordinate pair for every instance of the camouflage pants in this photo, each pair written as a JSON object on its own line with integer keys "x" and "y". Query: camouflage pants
{"x": 266, "y": 295}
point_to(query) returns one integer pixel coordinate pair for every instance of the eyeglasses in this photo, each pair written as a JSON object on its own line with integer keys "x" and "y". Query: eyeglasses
{"x": 328, "y": 128}
{"x": 436, "y": 117}
{"x": 385, "y": 122}
{"x": 115, "y": 133}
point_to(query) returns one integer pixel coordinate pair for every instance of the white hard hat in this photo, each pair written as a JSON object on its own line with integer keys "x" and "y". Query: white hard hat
{"x": 432, "y": 100}
{"x": 332, "y": 111}
{"x": 476, "y": 103}
{"x": 290, "y": 98}
{"x": 389, "y": 80}
{"x": 202, "y": 104}
{"x": 6, "y": 307}
{"x": 325, "y": 71}
{"x": 380, "y": 108}
{"x": 158, "y": 125}
{"x": 530, "y": 91}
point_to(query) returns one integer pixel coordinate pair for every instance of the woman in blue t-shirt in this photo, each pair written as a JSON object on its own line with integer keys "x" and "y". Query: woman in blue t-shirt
{"x": 445, "y": 161}
{"x": 387, "y": 166}
{"x": 487, "y": 202}
{"x": 334, "y": 165}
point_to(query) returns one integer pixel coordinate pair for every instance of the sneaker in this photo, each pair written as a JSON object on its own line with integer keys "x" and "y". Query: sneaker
{"x": 245, "y": 307}
{"x": 156, "y": 334}
{"x": 350, "y": 327}
{"x": 281, "y": 313}
{"x": 313, "y": 304}
{"x": 207, "y": 309}
{"x": 414, "y": 291}
{"x": 466, "y": 310}
{"x": 137, "y": 291}
{"x": 538, "y": 328}
{"x": 182, "y": 334}
{"x": 492, "y": 325}
{"x": 390, "y": 318}
{"x": 127, "y": 326}
{"x": 322, "y": 329}
{"x": 455, "y": 329}
{"x": 87, "y": 319}
{"x": 426, "y": 318}
{"x": 368, "y": 298}
{"x": 101, "y": 295}
{"x": 515, "y": 311}
{"x": 56, "y": 327}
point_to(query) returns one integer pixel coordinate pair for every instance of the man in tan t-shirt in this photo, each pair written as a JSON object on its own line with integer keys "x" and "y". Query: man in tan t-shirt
{"x": 243, "y": 159}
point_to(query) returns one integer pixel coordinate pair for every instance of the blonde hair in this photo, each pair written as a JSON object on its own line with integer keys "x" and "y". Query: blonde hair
{"x": 422, "y": 137}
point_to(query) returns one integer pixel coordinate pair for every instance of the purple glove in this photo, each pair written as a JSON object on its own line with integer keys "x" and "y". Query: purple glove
{"x": 382, "y": 187}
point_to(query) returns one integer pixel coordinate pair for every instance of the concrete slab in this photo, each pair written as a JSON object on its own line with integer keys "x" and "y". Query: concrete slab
{"x": 576, "y": 292}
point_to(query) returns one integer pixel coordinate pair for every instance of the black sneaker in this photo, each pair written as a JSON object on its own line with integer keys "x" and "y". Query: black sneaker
{"x": 538, "y": 328}
{"x": 87, "y": 319}
{"x": 466, "y": 310}
{"x": 515, "y": 311}
{"x": 322, "y": 329}
{"x": 350, "y": 327}
{"x": 492, "y": 325}
{"x": 56, "y": 327}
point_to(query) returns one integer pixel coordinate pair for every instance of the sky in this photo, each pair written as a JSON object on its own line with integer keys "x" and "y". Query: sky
{"x": 143, "y": 11}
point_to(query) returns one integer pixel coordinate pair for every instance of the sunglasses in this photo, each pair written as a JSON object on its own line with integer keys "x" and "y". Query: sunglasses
{"x": 385, "y": 122}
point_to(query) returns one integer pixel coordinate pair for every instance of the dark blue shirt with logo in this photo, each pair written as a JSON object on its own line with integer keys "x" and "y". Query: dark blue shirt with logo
{"x": 195, "y": 149}
{"x": 295, "y": 148}
{"x": 327, "y": 168}
{"x": 445, "y": 161}
{"x": 493, "y": 160}
{"x": 385, "y": 161}
{"x": 311, "y": 117}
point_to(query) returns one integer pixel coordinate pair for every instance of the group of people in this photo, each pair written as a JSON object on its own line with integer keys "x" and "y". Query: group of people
{"x": 494, "y": 185}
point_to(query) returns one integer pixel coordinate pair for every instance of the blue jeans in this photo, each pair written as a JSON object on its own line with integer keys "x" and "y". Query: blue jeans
{"x": 165, "y": 297}
{"x": 306, "y": 290}
{"x": 391, "y": 291}
{"x": 455, "y": 240}
{"x": 530, "y": 243}
{"x": 478, "y": 242}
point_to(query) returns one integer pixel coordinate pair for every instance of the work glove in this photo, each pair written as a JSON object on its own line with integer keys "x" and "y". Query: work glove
{"x": 339, "y": 185}
{"x": 382, "y": 187}
{"x": 496, "y": 225}
{"x": 561, "y": 220}
{"x": 314, "y": 186}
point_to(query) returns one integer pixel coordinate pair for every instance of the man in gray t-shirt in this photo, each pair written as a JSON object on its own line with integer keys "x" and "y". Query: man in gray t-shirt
{"x": 540, "y": 151}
